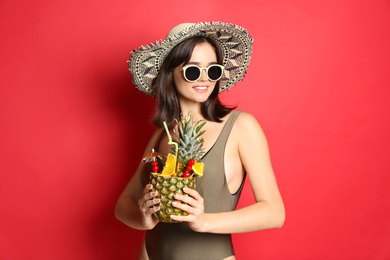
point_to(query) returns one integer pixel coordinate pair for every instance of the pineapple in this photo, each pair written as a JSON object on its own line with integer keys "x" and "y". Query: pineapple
{"x": 189, "y": 150}
{"x": 167, "y": 187}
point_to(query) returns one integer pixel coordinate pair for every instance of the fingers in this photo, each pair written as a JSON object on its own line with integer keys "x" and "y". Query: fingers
{"x": 182, "y": 206}
{"x": 193, "y": 204}
{"x": 147, "y": 189}
{"x": 179, "y": 218}
{"x": 147, "y": 194}
{"x": 148, "y": 201}
{"x": 148, "y": 205}
{"x": 184, "y": 202}
{"x": 147, "y": 197}
{"x": 194, "y": 199}
{"x": 193, "y": 193}
{"x": 151, "y": 210}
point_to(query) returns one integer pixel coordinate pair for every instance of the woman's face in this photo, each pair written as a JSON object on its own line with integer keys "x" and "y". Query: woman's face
{"x": 203, "y": 55}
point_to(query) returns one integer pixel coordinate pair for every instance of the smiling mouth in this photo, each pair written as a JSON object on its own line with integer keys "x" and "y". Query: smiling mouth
{"x": 200, "y": 88}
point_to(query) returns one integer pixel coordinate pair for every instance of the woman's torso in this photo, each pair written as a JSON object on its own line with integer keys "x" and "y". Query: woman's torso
{"x": 178, "y": 241}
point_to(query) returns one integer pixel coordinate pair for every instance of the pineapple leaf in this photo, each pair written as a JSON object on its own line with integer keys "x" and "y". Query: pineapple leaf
{"x": 199, "y": 134}
{"x": 199, "y": 125}
{"x": 190, "y": 143}
{"x": 186, "y": 139}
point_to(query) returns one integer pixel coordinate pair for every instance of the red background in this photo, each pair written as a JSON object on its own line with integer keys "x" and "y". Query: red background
{"x": 73, "y": 128}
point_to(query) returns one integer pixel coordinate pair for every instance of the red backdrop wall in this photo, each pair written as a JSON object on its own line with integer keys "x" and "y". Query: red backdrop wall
{"x": 73, "y": 127}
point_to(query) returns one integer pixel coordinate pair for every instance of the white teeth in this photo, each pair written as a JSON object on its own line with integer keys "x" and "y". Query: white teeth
{"x": 201, "y": 88}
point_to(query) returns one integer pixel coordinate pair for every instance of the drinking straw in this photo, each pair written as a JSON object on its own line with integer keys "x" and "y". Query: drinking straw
{"x": 172, "y": 142}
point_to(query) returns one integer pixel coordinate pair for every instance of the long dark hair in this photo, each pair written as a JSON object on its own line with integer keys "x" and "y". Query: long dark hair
{"x": 167, "y": 106}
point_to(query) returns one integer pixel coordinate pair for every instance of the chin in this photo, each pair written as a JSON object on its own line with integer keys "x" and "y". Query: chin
{"x": 202, "y": 99}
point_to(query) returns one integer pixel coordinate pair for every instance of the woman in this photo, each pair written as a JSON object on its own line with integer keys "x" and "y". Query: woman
{"x": 184, "y": 72}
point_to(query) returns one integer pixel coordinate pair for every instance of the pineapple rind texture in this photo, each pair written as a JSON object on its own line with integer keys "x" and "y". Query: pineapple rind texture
{"x": 167, "y": 187}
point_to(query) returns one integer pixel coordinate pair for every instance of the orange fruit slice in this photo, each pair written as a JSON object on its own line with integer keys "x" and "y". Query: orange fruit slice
{"x": 198, "y": 169}
{"x": 169, "y": 167}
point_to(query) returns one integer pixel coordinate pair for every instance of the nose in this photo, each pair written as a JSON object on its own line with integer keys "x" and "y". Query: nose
{"x": 203, "y": 75}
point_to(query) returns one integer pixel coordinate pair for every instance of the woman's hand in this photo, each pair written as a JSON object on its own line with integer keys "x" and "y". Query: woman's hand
{"x": 148, "y": 205}
{"x": 195, "y": 209}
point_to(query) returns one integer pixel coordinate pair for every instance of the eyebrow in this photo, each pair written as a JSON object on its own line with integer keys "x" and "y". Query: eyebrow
{"x": 197, "y": 63}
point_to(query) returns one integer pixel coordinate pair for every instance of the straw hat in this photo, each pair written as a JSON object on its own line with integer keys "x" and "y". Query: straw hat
{"x": 235, "y": 42}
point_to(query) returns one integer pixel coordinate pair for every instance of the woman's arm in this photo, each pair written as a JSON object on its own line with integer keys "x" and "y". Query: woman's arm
{"x": 134, "y": 206}
{"x": 268, "y": 211}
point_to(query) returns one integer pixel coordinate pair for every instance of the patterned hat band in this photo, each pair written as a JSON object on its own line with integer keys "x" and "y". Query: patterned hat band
{"x": 234, "y": 41}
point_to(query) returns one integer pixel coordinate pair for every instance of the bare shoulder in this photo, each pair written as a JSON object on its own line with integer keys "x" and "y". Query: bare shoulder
{"x": 246, "y": 117}
{"x": 246, "y": 123}
{"x": 248, "y": 133}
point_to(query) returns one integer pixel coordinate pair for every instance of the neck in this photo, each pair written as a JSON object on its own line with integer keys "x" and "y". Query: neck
{"x": 195, "y": 110}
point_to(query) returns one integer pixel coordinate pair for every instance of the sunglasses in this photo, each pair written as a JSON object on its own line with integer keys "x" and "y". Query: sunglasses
{"x": 193, "y": 72}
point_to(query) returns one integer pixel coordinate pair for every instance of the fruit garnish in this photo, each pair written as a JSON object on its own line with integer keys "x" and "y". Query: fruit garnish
{"x": 167, "y": 171}
{"x": 169, "y": 167}
{"x": 186, "y": 175}
{"x": 152, "y": 157}
{"x": 198, "y": 169}
{"x": 191, "y": 162}
{"x": 155, "y": 168}
{"x": 154, "y": 163}
{"x": 189, "y": 168}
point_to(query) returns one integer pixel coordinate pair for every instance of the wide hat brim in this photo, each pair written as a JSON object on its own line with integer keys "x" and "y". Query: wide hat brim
{"x": 235, "y": 42}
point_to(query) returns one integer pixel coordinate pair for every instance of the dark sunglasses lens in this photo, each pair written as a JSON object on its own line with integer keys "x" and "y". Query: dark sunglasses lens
{"x": 192, "y": 73}
{"x": 215, "y": 72}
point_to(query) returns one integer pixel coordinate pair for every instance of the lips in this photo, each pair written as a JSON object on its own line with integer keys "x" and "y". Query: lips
{"x": 200, "y": 89}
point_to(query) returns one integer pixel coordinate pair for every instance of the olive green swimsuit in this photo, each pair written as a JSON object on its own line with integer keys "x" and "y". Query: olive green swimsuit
{"x": 178, "y": 241}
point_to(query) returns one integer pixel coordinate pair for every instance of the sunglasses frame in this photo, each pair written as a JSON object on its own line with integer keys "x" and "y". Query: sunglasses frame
{"x": 201, "y": 70}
